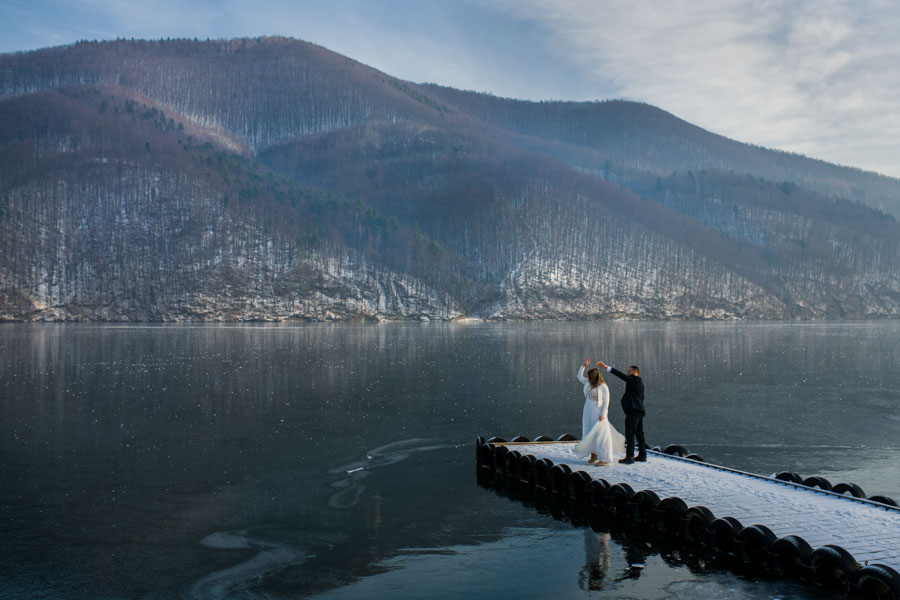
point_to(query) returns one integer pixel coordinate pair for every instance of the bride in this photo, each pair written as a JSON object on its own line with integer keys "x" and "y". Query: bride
{"x": 598, "y": 437}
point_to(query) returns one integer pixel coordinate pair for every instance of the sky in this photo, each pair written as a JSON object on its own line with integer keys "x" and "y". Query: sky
{"x": 817, "y": 77}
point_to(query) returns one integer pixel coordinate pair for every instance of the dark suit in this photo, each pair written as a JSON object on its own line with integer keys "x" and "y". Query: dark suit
{"x": 633, "y": 405}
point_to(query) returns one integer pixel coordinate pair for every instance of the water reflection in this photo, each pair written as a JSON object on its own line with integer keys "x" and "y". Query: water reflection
{"x": 636, "y": 554}
{"x": 597, "y": 560}
{"x": 283, "y": 460}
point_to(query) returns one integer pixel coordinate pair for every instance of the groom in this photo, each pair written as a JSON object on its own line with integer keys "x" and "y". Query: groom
{"x": 633, "y": 405}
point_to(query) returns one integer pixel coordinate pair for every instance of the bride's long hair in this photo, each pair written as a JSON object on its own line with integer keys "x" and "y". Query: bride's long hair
{"x": 594, "y": 377}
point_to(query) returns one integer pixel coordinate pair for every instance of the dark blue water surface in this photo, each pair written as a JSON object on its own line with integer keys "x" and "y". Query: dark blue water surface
{"x": 337, "y": 461}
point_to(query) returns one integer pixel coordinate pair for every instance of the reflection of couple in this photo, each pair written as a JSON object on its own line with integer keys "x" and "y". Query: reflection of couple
{"x": 598, "y": 437}
{"x": 598, "y": 559}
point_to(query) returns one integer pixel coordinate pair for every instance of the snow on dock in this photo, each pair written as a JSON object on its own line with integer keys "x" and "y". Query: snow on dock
{"x": 868, "y": 531}
{"x": 828, "y": 522}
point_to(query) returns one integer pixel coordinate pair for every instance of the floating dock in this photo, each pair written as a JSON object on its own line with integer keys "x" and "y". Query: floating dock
{"x": 832, "y": 535}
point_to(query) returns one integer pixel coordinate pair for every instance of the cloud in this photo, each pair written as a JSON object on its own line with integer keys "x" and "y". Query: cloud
{"x": 815, "y": 77}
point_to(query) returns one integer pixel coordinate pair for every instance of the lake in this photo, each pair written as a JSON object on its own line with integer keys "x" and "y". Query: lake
{"x": 337, "y": 460}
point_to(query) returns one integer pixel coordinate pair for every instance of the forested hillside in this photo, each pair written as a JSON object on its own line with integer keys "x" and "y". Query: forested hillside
{"x": 273, "y": 179}
{"x": 630, "y": 135}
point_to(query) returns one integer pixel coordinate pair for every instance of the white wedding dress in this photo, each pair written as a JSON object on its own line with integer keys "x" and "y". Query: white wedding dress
{"x": 598, "y": 437}
{"x": 590, "y": 413}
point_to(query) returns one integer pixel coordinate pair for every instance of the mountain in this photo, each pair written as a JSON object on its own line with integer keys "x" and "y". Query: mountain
{"x": 608, "y": 136}
{"x": 269, "y": 179}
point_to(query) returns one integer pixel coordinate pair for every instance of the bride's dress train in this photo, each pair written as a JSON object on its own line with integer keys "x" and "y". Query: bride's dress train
{"x": 603, "y": 440}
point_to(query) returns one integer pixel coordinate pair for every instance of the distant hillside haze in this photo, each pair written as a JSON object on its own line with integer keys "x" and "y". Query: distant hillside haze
{"x": 272, "y": 179}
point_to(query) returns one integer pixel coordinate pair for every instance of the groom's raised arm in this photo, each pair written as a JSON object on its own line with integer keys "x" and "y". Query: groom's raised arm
{"x": 617, "y": 373}
{"x": 612, "y": 370}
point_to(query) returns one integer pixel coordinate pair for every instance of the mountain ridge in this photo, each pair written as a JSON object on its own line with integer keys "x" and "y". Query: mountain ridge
{"x": 882, "y": 190}
{"x": 273, "y": 179}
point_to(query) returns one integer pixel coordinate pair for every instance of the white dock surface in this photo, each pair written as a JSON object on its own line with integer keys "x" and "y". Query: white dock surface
{"x": 869, "y": 532}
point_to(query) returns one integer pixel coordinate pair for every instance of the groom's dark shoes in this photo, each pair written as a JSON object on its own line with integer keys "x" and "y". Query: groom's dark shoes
{"x": 640, "y": 458}
{"x": 626, "y": 461}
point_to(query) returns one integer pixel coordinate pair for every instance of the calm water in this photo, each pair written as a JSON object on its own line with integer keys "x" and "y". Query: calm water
{"x": 337, "y": 461}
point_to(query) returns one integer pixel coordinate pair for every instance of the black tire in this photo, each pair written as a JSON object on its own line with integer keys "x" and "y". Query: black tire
{"x": 696, "y": 457}
{"x": 520, "y": 438}
{"x": 558, "y": 476}
{"x": 646, "y": 502}
{"x": 883, "y": 500}
{"x": 526, "y": 469}
{"x": 566, "y": 437}
{"x": 835, "y": 567}
{"x": 542, "y": 473}
{"x": 817, "y": 482}
{"x": 486, "y": 456}
{"x": 620, "y": 496}
{"x": 879, "y": 582}
{"x": 792, "y": 554}
{"x": 851, "y": 488}
{"x": 788, "y": 476}
{"x": 724, "y": 531}
{"x": 675, "y": 449}
{"x": 577, "y": 486}
{"x": 496, "y": 440}
{"x": 697, "y": 522}
{"x": 500, "y": 453}
{"x": 511, "y": 464}
{"x": 599, "y": 489}
{"x": 656, "y": 449}
{"x": 754, "y": 542}
{"x": 542, "y": 438}
{"x": 672, "y": 513}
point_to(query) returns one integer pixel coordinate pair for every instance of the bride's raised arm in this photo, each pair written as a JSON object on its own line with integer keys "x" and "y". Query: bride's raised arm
{"x": 580, "y": 376}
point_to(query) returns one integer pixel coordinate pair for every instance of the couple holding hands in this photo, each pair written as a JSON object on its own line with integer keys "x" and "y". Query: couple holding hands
{"x": 598, "y": 437}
